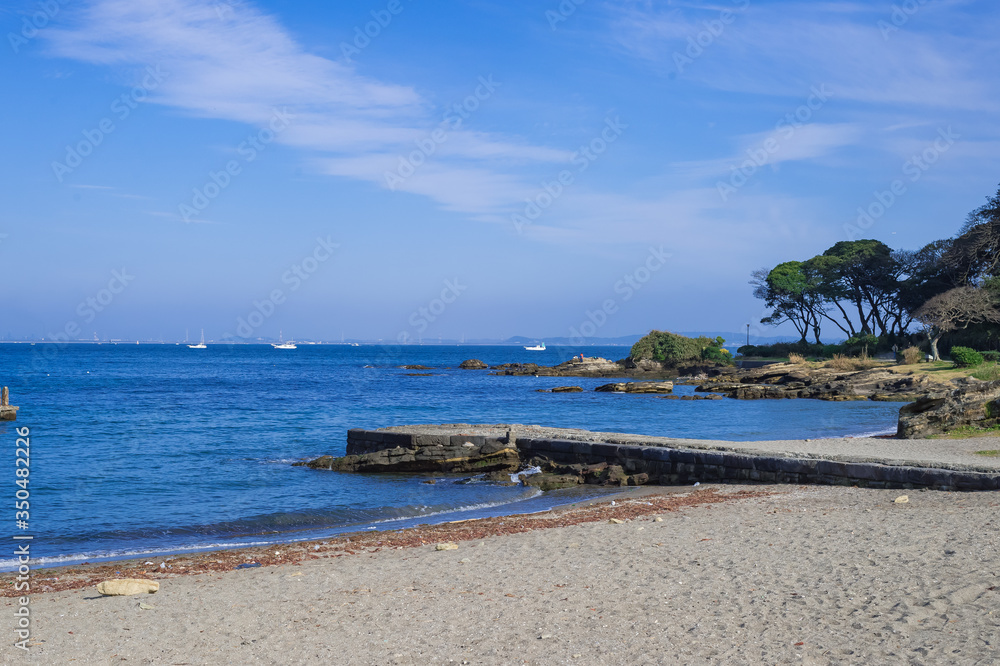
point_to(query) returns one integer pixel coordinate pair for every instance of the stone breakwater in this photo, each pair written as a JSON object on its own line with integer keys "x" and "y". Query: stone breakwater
{"x": 570, "y": 457}
{"x": 8, "y": 412}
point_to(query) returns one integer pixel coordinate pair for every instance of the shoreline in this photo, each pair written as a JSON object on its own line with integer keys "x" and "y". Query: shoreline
{"x": 731, "y": 574}
{"x": 619, "y": 505}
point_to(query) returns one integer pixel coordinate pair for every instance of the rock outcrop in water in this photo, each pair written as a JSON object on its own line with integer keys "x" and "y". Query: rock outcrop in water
{"x": 976, "y": 404}
{"x": 787, "y": 380}
{"x": 637, "y": 387}
{"x": 432, "y": 452}
{"x": 595, "y": 366}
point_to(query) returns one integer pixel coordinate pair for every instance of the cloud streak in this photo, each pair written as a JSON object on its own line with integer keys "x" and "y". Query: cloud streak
{"x": 239, "y": 65}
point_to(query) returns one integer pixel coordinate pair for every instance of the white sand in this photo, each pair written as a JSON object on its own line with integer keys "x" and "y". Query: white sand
{"x": 817, "y": 575}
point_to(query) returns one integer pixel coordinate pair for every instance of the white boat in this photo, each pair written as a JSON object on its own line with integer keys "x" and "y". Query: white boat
{"x": 200, "y": 345}
{"x": 281, "y": 344}
{"x": 539, "y": 347}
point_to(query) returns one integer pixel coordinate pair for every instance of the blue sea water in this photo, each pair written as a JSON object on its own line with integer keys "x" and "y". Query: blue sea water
{"x": 141, "y": 449}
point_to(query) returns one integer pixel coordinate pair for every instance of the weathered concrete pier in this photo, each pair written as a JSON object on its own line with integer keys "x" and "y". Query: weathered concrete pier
{"x": 581, "y": 456}
{"x": 7, "y": 411}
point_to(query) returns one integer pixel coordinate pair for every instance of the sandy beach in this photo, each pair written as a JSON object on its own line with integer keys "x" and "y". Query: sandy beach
{"x": 726, "y": 574}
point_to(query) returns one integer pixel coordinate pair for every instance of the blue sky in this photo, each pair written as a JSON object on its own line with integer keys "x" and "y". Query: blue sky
{"x": 401, "y": 168}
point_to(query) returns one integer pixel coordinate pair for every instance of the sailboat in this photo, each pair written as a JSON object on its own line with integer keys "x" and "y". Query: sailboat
{"x": 200, "y": 345}
{"x": 281, "y": 344}
{"x": 538, "y": 347}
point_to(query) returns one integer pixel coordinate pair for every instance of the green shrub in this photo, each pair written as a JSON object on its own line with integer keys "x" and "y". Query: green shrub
{"x": 860, "y": 344}
{"x": 829, "y": 351}
{"x": 785, "y": 349}
{"x": 716, "y": 354}
{"x": 991, "y": 356}
{"x": 964, "y": 357}
{"x": 672, "y": 348}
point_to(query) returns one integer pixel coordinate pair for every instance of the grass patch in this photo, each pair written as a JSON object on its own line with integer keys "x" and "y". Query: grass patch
{"x": 967, "y": 432}
{"x": 842, "y": 363}
{"x": 993, "y": 453}
{"x": 987, "y": 372}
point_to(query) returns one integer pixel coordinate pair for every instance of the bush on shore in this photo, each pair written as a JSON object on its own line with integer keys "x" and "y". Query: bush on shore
{"x": 672, "y": 348}
{"x": 964, "y": 357}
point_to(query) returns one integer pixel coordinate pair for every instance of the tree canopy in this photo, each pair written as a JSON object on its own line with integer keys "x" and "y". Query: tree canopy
{"x": 864, "y": 287}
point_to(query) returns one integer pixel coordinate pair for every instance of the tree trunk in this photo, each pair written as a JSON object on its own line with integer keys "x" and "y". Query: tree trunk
{"x": 934, "y": 342}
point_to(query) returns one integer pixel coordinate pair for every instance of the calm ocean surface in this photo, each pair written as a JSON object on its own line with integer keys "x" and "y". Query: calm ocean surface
{"x": 159, "y": 448}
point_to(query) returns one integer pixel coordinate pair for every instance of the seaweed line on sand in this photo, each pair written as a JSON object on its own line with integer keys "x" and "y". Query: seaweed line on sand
{"x": 86, "y": 575}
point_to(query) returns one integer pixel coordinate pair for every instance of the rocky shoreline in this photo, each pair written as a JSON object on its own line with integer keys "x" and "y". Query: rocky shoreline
{"x": 771, "y": 381}
{"x": 570, "y": 457}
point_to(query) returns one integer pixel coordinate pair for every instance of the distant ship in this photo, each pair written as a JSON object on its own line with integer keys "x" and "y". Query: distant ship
{"x": 200, "y": 345}
{"x": 281, "y": 344}
{"x": 539, "y": 347}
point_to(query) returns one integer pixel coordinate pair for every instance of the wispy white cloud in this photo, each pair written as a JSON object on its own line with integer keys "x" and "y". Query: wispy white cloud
{"x": 776, "y": 49}
{"x": 241, "y": 65}
{"x": 770, "y": 148}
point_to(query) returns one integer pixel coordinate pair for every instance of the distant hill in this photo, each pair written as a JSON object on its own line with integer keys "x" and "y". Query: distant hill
{"x": 625, "y": 340}
{"x": 732, "y": 339}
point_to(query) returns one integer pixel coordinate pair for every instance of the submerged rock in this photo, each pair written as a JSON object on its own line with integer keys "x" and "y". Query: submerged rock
{"x": 637, "y": 387}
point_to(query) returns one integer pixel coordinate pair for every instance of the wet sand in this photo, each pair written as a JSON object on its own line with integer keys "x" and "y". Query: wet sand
{"x": 729, "y": 574}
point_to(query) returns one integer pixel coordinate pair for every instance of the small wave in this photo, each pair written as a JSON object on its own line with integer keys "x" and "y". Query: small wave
{"x": 517, "y": 476}
{"x": 304, "y": 534}
{"x": 105, "y": 556}
{"x": 874, "y": 433}
{"x": 471, "y": 507}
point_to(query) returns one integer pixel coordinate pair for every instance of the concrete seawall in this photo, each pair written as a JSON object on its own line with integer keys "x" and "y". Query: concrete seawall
{"x": 672, "y": 462}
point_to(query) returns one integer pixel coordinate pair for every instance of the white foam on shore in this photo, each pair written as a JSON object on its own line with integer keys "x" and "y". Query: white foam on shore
{"x": 516, "y": 476}
{"x": 321, "y": 532}
{"x": 874, "y": 433}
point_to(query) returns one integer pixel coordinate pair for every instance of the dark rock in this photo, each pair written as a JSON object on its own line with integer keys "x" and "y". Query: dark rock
{"x": 637, "y": 387}
{"x": 567, "y": 389}
{"x": 461, "y": 458}
{"x": 416, "y": 367}
{"x": 976, "y": 405}
{"x": 612, "y": 475}
{"x": 639, "y": 479}
{"x": 473, "y": 364}
{"x": 551, "y": 481}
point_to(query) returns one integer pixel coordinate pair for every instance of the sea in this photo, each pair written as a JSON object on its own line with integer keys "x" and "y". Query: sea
{"x": 158, "y": 449}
